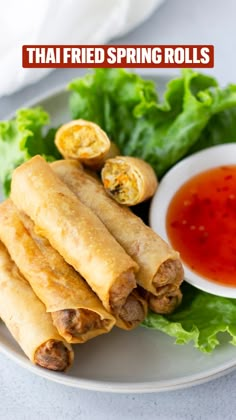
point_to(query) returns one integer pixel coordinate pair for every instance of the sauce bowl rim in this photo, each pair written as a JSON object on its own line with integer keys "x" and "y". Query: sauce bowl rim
{"x": 181, "y": 172}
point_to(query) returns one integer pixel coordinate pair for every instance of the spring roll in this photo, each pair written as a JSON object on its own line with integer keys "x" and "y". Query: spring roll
{"x": 129, "y": 180}
{"x": 166, "y": 303}
{"x": 133, "y": 312}
{"x": 83, "y": 140}
{"x": 160, "y": 266}
{"x": 26, "y": 318}
{"x": 76, "y": 311}
{"x": 75, "y": 232}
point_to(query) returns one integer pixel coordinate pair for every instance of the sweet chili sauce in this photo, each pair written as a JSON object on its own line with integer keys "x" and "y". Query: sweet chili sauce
{"x": 201, "y": 224}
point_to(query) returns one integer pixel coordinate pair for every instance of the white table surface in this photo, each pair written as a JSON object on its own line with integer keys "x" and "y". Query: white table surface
{"x": 25, "y": 396}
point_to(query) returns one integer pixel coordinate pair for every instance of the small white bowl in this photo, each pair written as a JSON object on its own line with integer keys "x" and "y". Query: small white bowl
{"x": 171, "y": 182}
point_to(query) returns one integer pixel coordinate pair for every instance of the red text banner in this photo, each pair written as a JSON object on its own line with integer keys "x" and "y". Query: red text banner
{"x": 129, "y": 56}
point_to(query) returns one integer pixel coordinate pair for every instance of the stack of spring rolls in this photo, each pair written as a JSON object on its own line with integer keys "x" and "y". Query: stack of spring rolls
{"x": 74, "y": 261}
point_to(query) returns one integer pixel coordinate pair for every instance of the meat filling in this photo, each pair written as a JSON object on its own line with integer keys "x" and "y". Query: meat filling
{"x": 166, "y": 290}
{"x": 170, "y": 272}
{"x": 53, "y": 355}
{"x": 132, "y": 312}
{"x": 120, "y": 290}
{"x": 77, "y": 322}
{"x": 165, "y": 304}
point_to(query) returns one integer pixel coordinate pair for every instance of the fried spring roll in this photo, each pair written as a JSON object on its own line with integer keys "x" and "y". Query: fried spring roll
{"x": 76, "y": 311}
{"x": 159, "y": 264}
{"x": 26, "y": 318}
{"x": 129, "y": 180}
{"x": 75, "y": 232}
{"x": 83, "y": 140}
{"x": 166, "y": 303}
{"x": 133, "y": 312}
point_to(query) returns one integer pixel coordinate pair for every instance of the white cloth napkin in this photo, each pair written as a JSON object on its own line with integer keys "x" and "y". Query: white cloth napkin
{"x": 60, "y": 22}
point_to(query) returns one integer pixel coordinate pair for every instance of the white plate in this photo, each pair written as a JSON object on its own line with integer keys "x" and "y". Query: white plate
{"x": 138, "y": 361}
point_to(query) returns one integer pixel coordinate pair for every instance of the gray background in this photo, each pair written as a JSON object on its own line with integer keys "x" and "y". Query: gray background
{"x": 25, "y": 396}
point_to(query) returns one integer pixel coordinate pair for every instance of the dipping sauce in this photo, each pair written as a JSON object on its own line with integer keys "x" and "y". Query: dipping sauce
{"x": 201, "y": 224}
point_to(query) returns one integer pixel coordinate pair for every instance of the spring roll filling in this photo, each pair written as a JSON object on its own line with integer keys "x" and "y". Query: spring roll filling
{"x": 121, "y": 290}
{"x": 81, "y": 142}
{"x": 53, "y": 355}
{"x": 77, "y": 322}
{"x": 169, "y": 272}
{"x": 165, "y": 304}
{"x": 122, "y": 182}
{"x": 132, "y": 311}
{"x": 165, "y": 290}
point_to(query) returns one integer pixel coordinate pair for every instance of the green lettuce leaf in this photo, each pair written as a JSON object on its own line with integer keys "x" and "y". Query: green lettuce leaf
{"x": 220, "y": 129}
{"x": 112, "y": 98}
{"x": 21, "y": 138}
{"x": 200, "y": 318}
{"x": 162, "y": 133}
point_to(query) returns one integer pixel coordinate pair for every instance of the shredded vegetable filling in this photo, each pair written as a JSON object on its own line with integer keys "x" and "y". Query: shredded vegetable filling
{"x": 81, "y": 141}
{"x": 121, "y": 182}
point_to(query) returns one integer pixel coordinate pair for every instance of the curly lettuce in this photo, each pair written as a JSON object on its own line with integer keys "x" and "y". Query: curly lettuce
{"x": 200, "y": 318}
{"x": 128, "y": 109}
{"x": 22, "y": 138}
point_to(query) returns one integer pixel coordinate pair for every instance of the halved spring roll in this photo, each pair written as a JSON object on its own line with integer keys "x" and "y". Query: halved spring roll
{"x": 76, "y": 311}
{"x": 75, "y": 232}
{"x": 129, "y": 180}
{"x": 159, "y": 264}
{"x": 166, "y": 303}
{"x": 26, "y": 318}
{"x": 83, "y": 140}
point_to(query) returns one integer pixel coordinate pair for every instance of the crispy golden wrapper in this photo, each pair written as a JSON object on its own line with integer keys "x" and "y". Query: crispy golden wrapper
{"x": 159, "y": 264}
{"x": 76, "y": 311}
{"x": 26, "y": 318}
{"x": 75, "y": 232}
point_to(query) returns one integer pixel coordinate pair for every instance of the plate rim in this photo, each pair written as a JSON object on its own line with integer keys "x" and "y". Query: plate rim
{"x": 106, "y": 385}
{"x": 119, "y": 387}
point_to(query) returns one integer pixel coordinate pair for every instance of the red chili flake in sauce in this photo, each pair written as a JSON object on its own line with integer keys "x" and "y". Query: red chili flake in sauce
{"x": 201, "y": 224}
